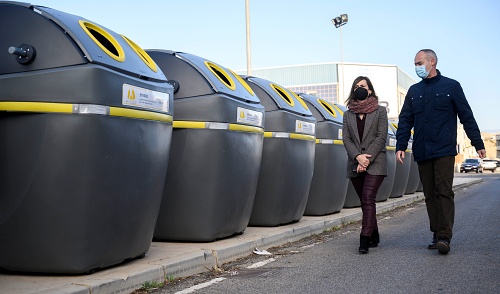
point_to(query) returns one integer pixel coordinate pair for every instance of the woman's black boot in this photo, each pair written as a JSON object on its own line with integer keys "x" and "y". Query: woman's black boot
{"x": 375, "y": 239}
{"x": 364, "y": 243}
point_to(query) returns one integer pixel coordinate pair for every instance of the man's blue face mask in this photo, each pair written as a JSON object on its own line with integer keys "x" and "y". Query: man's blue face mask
{"x": 421, "y": 72}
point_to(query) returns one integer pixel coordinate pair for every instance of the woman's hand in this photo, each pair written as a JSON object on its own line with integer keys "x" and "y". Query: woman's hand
{"x": 360, "y": 168}
{"x": 363, "y": 160}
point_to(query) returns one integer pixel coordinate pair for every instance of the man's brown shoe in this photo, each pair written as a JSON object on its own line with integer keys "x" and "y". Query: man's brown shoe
{"x": 443, "y": 246}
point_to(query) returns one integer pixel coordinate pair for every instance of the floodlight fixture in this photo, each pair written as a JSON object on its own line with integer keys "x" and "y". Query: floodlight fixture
{"x": 340, "y": 20}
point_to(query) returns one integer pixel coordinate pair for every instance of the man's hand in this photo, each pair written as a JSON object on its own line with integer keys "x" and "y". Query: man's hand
{"x": 481, "y": 153}
{"x": 400, "y": 155}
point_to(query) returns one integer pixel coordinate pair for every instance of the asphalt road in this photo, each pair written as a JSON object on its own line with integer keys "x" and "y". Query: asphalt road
{"x": 330, "y": 263}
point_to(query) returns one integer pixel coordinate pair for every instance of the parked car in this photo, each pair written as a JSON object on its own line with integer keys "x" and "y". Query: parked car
{"x": 489, "y": 164}
{"x": 472, "y": 164}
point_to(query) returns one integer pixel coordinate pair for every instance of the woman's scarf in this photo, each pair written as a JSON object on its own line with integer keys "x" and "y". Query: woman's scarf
{"x": 368, "y": 105}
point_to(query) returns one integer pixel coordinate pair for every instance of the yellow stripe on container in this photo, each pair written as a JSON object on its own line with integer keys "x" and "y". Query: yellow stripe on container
{"x": 334, "y": 142}
{"x": 37, "y": 107}
{"x": 182, "y": 124}
{"x": 133, "y": 113}
{"x": 302, "y": 137}
{"x": 47, "y": 107}
{"x": 394, "y": 148}
{"x": 291, "y": 136}
{"x": 245, "y": 128}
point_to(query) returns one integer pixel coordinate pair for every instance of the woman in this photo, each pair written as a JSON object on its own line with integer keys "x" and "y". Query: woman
{"x": 365, "y": 133}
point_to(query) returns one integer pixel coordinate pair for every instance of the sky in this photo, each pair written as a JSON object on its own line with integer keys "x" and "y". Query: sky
{"x": 463, "y": 33}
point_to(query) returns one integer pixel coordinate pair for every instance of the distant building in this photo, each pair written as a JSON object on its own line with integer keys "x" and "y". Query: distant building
{"x": 332, "y": 81}
{"x": 464, "y": 147}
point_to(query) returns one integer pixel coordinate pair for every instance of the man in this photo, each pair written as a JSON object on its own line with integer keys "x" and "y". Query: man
{"x": 431, "y": 108}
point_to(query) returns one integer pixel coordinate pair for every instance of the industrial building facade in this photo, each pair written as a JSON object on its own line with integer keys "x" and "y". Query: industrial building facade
{"x": 332, "y": 81}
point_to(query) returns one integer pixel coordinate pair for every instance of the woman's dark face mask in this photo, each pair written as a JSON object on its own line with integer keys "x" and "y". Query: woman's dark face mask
{"x": 360, "y": 93}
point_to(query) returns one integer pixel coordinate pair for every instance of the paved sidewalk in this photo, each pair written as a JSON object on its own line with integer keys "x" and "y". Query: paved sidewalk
{"x": 177, "y": 259}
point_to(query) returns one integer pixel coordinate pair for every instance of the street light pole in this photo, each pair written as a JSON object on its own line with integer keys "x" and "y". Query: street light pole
{"x": 249, "y": 53}
{"x": 339, "y": 21}
{"x": 342, "y": 63}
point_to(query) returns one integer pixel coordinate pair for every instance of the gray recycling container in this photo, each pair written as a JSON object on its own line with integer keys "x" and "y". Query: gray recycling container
{"x": 420, "y": 187}
{"x": 386, "y": 188}
{"x": 402, "y": 170}
{"x": 329, "y": 182}
{"x": 216, "y": 151}
{"x": 352, "y": 199}
{"x": 86, "y": 124}
{"x": 413, "y": 178}
{"x": 287, "y": 156}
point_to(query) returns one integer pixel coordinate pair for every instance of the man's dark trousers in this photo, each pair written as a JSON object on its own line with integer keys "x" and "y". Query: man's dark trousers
{"x": 437, "y": 179}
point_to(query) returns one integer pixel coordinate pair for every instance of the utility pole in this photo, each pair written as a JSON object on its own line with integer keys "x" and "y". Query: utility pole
{"x": 249, "y": 51}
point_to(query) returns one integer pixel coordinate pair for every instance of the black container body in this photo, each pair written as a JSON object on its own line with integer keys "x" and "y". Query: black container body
{"x": 212, "y": 175}
{"x": 211, "y": 183}
{"x": 420, "y": 187}
{"x": 351, "y": 198}
{"x": 402, "y": 176}
{"x": 329, "y": 182}
{"x": 402, "y": 170}
{"x": 287, "y": 162}
{"x": 413, "y": 177}
{"x": 83, "y": 163}
{"x": 79, "y": 197}
{"x": 386, "y": 188}
{"x": 284, "y": 181}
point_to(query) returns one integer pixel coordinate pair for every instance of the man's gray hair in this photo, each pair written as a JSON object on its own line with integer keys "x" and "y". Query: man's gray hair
{"x": 430, "y": 54}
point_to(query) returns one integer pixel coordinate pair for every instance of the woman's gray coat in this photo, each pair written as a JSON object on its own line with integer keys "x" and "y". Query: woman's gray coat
{"x": 373, "y": 143}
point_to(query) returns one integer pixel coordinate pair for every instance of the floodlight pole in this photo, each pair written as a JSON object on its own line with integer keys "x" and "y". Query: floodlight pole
{"x": 249, "y": 53}
{"x": 342, "y": 63}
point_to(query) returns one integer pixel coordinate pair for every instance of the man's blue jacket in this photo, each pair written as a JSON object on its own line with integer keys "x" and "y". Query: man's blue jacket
{"x": 431, "y": 108}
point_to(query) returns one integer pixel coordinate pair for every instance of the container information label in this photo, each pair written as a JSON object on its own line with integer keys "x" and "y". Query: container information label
{"x": 250, "y": 117}
{"x": 340, "y": 134}
{"x": 305, "y": 127}
{"x": 145, "y": 98}
{"x": 392, "y": 142}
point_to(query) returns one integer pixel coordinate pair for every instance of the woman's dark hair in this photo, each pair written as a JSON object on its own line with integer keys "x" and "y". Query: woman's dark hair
{"x": 357, "y": 80}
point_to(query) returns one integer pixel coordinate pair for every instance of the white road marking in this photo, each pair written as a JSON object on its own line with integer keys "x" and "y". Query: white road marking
{"x": 261, "y": 263}
{"x": 216, "y": 280}
{"x": 200, "y": 286}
